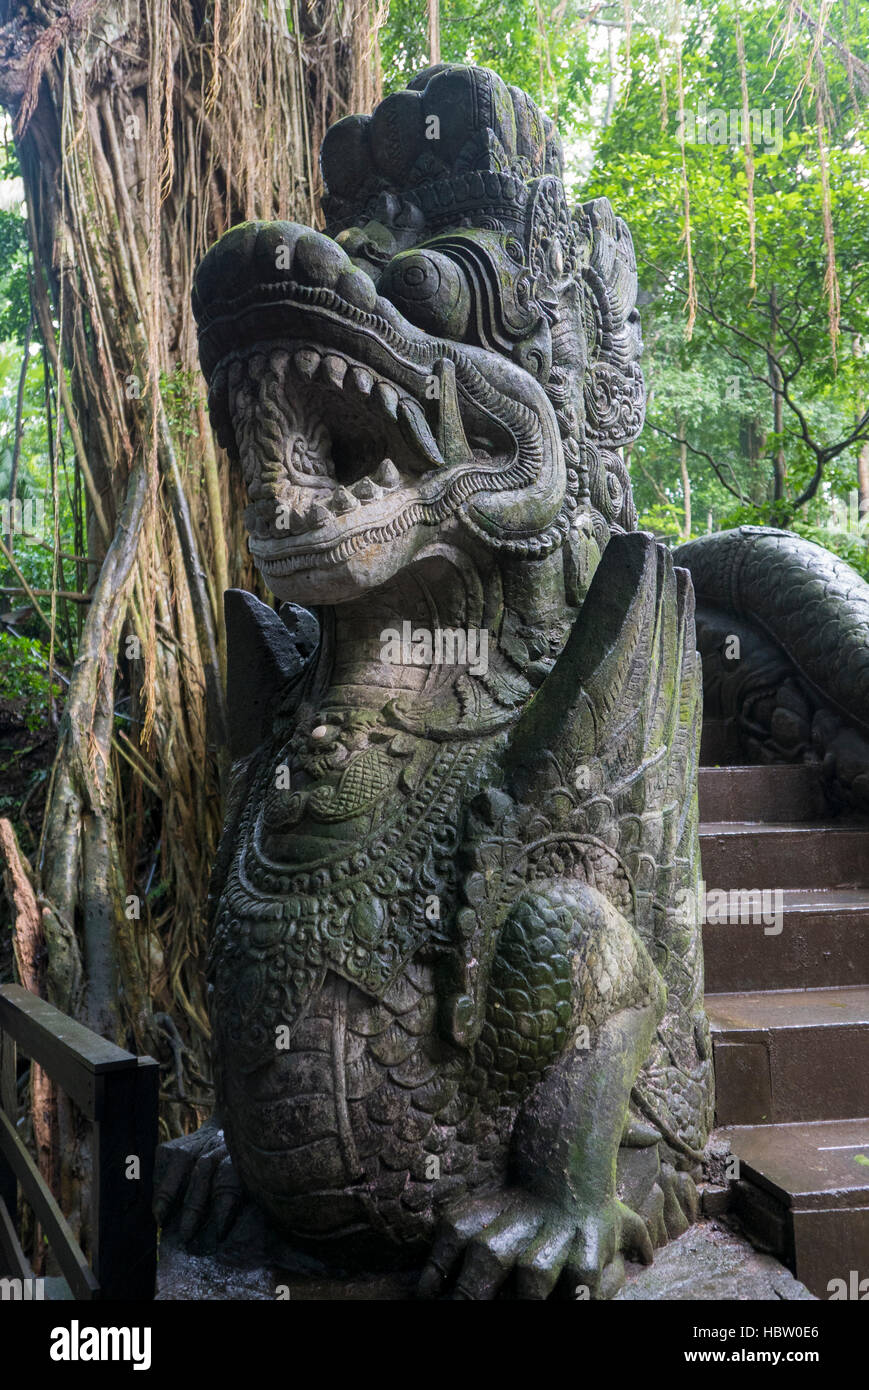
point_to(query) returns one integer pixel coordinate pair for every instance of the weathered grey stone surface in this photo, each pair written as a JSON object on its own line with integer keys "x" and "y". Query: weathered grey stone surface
{"x": 712, "y": 1262}
{"x": 709, "y": 1262}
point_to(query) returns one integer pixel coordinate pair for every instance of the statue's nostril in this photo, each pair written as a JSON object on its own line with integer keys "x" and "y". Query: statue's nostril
{"x": 357, "y": 289}
{"x": 319, "y": 261}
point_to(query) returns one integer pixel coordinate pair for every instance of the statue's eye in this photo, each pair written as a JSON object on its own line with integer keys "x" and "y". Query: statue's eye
{"x": 430, "y": 290}
{"x": 523, "y": 289}
{"x": 515, "y": 250}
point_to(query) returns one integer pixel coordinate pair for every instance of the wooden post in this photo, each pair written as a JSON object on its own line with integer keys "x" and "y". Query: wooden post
{"x": 125, "y": 1142}
{"x": 8, "y": 1103}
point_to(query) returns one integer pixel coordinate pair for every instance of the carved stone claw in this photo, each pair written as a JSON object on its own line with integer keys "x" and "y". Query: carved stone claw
{"x": 681, "y": 1200}
{"x": 196, "y": 1171}
{"x": 549, "y": 1249}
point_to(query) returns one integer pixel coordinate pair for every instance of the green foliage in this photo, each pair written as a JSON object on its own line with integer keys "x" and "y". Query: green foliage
{"x": 33, "y": 483}
{"x": 34, "y": 468}
{"x": 618, "y": 115}
{"x": 34, "y": 456}
{"x": 24, "y": 668}
{"x": 14, "y": 288}
{"x": 664, "y": 520}
{"x": 714, "y": 389}
{"x": 181, "y": 392}
{"x": 539, "y": 48}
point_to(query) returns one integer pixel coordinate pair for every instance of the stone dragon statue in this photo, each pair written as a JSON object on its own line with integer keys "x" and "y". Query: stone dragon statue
{"x": 456, "y": 964}
{"x": 795, "y": 686}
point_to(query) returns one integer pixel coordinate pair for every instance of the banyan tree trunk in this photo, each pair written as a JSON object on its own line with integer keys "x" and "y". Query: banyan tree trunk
{"x": 144, "y": 129}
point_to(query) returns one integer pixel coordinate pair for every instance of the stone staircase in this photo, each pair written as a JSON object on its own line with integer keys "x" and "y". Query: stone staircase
{"x": 788, "y": 1002}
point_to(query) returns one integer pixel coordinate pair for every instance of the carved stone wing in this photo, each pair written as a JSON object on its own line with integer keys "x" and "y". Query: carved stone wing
{"x": 620, "y": 715}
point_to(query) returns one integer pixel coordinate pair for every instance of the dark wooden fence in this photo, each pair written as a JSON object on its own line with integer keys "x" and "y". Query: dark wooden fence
{"x": 117, "y": 1093}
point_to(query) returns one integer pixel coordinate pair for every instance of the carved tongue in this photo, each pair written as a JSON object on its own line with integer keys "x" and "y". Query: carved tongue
{"x": 451, "y": 438}
{"x": 414, "y": 427}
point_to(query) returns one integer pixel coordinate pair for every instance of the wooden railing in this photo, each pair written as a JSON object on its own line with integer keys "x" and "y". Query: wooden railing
{"x": 117, "y": 1093}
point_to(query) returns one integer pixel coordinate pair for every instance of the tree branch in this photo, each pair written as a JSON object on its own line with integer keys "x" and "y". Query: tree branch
{"x": 701, "y": 453}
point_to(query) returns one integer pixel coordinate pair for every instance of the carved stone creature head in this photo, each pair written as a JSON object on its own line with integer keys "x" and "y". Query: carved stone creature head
{"x": 458, "y": 353}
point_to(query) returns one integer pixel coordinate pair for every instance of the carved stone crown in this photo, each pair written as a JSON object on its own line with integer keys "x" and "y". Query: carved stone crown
{"x": 458, "y": 142}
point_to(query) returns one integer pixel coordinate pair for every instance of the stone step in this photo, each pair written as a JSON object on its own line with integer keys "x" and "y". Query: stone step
{"x": 776, "y": 792}
{"x": 790, "y": 1055}
{"x": 803, "y": 1193}
{"x": 816, "y": 939}
{"x": 757, "y": 854}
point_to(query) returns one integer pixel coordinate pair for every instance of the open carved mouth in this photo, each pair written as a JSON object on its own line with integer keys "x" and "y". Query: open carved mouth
{"x": 353, "y": 428}
{"x": 336, "y": 457}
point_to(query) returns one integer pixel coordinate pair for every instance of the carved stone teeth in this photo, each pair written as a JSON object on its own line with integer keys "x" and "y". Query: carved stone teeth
{"x": 298, "y": 522}
{"x": 342, "y": 501}
{"x": 360, "y": 380}
{"x": 387, "y": 475}
{"x": 306, "y": 362}
{"x": 317, "y": 515}
{"x": 387, "y": 398}
{"x": 414, "y": 427}
{"x": 366, "y": 490}
{"x": 333, "y": 369}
